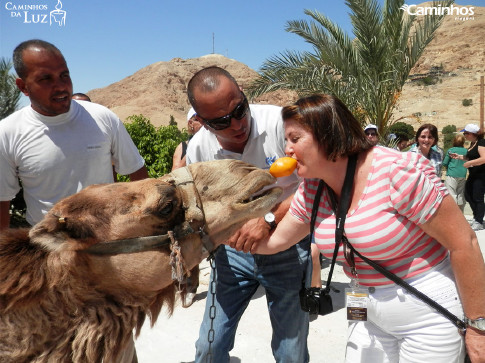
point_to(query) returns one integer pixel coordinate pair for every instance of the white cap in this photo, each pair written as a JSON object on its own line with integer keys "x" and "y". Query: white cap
{"x": 471, "y": 128}
{"x": 370, "y": 126}
{"x": 191, "y": 113}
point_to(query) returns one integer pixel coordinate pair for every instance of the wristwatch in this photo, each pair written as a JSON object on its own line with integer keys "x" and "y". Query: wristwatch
{"x": 476, "y": 323}
{"x": 270, "y": 219}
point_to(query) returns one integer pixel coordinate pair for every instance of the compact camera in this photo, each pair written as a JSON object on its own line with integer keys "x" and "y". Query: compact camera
{"x": 315, "y": 300}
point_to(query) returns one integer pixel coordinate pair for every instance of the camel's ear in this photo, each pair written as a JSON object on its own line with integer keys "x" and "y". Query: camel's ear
{"x": 54, "y": 230}
{"x": 168, "y": 179}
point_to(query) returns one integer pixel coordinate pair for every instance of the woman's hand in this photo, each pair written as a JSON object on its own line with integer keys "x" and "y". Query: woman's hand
{"x": 475, "y": 345}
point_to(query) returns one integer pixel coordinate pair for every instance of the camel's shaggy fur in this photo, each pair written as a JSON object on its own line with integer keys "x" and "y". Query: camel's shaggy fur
{"x": 58, "y": 304}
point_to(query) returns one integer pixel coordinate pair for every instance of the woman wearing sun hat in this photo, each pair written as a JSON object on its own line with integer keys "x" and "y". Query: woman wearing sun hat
{"x": 475, "y": 163}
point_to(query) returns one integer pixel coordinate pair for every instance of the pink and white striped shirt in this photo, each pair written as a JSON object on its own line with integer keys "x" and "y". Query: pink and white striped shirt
{"x": 402, "y": 192}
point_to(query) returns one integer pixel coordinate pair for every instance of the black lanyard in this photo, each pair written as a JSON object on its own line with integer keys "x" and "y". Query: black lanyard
{"x": 342, "y": 209}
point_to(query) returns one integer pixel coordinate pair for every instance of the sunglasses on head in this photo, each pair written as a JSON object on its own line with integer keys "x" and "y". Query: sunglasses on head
{"x": 221, "y": 123}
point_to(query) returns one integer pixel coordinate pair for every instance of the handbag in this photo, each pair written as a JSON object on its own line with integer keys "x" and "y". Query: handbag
{"x": 317, "y": 300}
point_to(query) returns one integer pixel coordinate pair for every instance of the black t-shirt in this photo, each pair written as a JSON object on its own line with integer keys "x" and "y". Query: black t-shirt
{"x": 473, "y": 154}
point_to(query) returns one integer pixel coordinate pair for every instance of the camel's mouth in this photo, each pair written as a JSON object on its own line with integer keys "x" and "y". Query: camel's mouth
{"x": 265, "y": 192}
{"x": 260, "y": 191}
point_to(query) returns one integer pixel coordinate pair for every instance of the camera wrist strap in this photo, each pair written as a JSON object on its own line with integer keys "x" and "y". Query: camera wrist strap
{"x": 342, "y": 209}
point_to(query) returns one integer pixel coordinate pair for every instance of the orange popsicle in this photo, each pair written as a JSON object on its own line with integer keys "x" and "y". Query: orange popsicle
{"x": 282, "y": 167}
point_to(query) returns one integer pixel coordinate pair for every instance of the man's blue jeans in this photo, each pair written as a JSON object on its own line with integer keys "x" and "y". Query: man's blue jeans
{"x": 238, "y": 277}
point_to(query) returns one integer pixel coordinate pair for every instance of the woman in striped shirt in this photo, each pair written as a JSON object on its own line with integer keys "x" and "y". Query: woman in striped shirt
{"x": 400, "y": 216}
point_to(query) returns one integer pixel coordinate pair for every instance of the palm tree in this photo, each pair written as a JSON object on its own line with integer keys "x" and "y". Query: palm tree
{"x": 9, "y": 93}
{"x": 366, "y": 72}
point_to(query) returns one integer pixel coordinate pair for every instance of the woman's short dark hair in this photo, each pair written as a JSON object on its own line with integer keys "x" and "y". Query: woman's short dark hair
{"x": 433, "y": 130}
{"x": 337, "y": 132}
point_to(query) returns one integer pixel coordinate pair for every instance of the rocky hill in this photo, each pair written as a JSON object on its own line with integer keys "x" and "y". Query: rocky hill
{"x": 448, "y": 72}
{"x": 159, "y": 90}
{"x": 454, "y": 61}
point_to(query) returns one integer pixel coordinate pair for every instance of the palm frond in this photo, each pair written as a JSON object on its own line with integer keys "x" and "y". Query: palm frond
{"x": 9, "y": 93}
{"x": 366, "y": 72}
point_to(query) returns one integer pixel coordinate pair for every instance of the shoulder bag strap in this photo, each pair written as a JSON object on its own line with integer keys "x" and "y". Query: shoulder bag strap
{"x": 341, "y": 213}
{"x": 447, "y": 314}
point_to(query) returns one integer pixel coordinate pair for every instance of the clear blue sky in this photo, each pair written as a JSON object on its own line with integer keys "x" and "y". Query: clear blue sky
{"x": 105, "y": 41}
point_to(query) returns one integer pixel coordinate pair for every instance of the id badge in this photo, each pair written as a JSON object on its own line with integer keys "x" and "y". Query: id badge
{"x": 356, "y": 302}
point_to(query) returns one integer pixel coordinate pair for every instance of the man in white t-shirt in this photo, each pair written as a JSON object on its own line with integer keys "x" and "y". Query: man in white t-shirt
{"x": 57, "y": 146}
{"x": 233, "y": 129}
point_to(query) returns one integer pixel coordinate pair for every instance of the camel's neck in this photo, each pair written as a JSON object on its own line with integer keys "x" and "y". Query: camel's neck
{"x": 63, "y": 333}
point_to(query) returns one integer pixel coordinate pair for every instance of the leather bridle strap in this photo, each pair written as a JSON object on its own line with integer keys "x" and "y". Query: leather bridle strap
{"x": 136, "y": 244}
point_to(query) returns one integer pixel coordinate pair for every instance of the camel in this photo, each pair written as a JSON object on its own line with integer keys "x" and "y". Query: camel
{"x": 75, "y": 286}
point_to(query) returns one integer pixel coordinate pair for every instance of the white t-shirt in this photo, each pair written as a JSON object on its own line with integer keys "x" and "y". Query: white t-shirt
{"x": 58, "y": 156}
{"x": 266, "y": 143}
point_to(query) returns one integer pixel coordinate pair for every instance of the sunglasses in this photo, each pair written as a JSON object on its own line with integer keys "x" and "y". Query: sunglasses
{"x": 221, "y": 123}
{"x": 371, "y": 134}
{"x": 466, "y": 133}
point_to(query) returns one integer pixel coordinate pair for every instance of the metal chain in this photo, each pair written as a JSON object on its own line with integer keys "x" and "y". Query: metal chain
{"x": 212, "y": 310}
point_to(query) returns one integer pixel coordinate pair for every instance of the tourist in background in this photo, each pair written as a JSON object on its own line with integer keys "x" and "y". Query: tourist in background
{"x": 402, "y": 142}
{"x": 426, "y": 138}
{"x": 81, "y": 97}
{"x": 455, "y": 171}
{"x": 193, "y": 125}
{"x": 475, "y": 163}
{"x": 372, "y": 134}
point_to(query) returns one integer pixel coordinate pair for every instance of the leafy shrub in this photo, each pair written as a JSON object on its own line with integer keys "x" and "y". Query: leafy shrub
{"x": 156, "y": 145}
{"x": 428, "y": 80}
{"x": 448, "y": 141}
{"x": 467, "y": 102}
{"x": 449, "y": 129}
{"x": 448, "y": 132}
{"x": 402, "y": 128}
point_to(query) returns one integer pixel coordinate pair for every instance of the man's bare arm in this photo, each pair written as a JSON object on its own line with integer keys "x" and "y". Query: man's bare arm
{"x": 4, "y": 215}
{"x": 140, "y": 174}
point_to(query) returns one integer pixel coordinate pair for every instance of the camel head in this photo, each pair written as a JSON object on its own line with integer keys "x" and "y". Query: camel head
{"x": 75, "y": 286}
{"x": 227, "y": 194}
{"x": 232, "y": 197}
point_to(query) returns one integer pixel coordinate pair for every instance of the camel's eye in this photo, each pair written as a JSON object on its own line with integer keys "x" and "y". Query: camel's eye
{"x": 167, "y": 208}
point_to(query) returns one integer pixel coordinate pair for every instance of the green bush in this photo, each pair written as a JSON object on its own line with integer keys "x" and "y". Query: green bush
{"x": 428, "y": 80}
{"x": 402, "y": 128}
{"x": 449, "y": 129}
{"x": 447, "y": 141}
{"x": 467, "y": 102}
{"x": 448, "y": 132}
{"x": 156, "y": 145}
